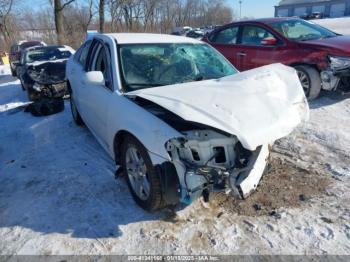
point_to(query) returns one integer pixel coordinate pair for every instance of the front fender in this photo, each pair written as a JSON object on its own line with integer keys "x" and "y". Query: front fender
{"x": 151, "y": 131}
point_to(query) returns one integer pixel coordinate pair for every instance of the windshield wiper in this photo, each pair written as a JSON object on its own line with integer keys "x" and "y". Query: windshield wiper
{"x": 133, "y": 85}
{"x": 328, "y": 36}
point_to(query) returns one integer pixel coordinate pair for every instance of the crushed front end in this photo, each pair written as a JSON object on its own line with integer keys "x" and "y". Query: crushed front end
{"x": 337, "y": 75}
{"x": 47, "y": 80}
{"x": 208, "y": 161}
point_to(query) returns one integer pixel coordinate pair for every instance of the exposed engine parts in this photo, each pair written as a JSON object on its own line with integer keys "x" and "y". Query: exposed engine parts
{"x": 208, "y": 161}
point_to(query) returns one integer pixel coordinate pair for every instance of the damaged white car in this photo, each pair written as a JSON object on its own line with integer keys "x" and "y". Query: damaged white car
{"x": 178, "y": 118}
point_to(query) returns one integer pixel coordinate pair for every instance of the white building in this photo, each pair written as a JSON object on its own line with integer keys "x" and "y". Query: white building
{"x": 330, "y": 8}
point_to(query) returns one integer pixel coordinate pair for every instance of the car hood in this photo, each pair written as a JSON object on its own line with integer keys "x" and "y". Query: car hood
{"x": 48, "y": 72}
{"x": 258, "y": 106}
{"x": 340, "y": 45}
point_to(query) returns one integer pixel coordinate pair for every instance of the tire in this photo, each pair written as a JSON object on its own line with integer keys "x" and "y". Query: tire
{"x": 22, "y": 85}
{"x": 310, "y": 80}
{"x": 75, "y": 114}
{"x": 141, "y": 163}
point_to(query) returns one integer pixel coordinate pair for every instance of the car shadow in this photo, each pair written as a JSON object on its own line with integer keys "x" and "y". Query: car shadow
{"x": 55, "y": 178}
{"x": 327, "y": 98}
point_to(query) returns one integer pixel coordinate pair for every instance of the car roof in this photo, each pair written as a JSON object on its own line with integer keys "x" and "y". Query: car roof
{"x": 44, "y": 47}
{"x": 144, "y": 38}
{"x": 31, "y": 42}
{"x": 265, "y": 20}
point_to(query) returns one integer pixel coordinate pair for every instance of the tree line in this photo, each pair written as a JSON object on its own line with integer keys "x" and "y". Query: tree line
{"x": 67, "y": 21}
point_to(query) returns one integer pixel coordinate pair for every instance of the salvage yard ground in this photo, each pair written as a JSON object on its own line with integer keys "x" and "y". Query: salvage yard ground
{"x": 58, "y": 194}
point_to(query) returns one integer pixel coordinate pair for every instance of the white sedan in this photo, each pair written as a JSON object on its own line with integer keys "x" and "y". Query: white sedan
{"x": 177, "y": 117}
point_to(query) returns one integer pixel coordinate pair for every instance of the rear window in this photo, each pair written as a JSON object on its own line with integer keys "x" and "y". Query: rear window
{"x": 47, "y": 53}
{"x": 30, "y": 44}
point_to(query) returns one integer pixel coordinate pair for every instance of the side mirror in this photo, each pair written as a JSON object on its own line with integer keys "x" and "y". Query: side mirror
{"x": 269, "y": 41}
{"x": 95, "y": 78}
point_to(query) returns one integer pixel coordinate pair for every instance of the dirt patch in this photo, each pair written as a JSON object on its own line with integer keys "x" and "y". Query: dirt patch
{"x": 285, "y": 185}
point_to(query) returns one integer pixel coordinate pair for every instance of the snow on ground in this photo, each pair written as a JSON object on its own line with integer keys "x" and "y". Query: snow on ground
{"x": 5, "y": 70}
{"x": 338, "y": 25}
{"x": 58, "y": 194}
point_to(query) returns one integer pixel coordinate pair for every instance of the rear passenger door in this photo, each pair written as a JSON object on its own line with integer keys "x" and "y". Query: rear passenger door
{"x": 225, "y": 41}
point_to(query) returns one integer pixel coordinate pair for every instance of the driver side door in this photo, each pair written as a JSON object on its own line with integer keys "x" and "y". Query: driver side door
{"x": 253, "y": 53}
{"x": 95, "y": 98}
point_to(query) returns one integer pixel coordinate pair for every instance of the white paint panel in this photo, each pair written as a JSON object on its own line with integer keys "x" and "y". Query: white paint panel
{"x": 282, "y": 12}
{"x": 337, "y": 10}
{"x": 319, "y": 8}
{"x": 274, "y": 90}
{"x": 299, "y": 11}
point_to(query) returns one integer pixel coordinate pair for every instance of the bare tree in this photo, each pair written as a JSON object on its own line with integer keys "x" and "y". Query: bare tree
{"x": 163, "y": 15}
{"x": 69, "y": 25}
{"x": 5, "y": 19}
{"x": 59, "y": 18}
{"x": 77, "y": 21}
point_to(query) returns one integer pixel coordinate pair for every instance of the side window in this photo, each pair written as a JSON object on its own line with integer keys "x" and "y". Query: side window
{"x": 226, "y": 36}
{"x": 101, "y": 62}
{"x": 253, "y": 35}
{"x": 82, "y": 55}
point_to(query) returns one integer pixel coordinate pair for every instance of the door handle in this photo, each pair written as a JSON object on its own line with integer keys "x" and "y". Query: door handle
{"x": 82, "y": 82}
{"x": 241, "y": 54}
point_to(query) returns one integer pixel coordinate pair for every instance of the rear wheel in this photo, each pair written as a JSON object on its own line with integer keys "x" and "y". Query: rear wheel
{"x": 75, "y": 114}
{"x": 141, "y": 176}
{"x": 310, "y": 81}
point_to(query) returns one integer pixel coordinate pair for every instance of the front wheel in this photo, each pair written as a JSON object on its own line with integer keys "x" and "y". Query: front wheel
{"x": 141, "y": 176}
{"x": 22, "y": 85}
{"x": 310, "y": 81}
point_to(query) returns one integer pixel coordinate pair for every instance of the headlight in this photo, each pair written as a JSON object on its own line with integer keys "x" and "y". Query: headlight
{"x": 338, "y": 63}
{"x": 38, "y": 87}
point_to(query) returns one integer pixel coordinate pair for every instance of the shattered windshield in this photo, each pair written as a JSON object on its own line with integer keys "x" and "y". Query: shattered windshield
{"x": 150, "y": 65}
{"x": 300, "y": 30}
{"x": 47, "y": 54}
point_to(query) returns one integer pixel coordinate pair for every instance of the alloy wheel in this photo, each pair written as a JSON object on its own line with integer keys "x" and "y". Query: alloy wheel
{"x": 304, "y": 80}
{"x": 137, "y": 173}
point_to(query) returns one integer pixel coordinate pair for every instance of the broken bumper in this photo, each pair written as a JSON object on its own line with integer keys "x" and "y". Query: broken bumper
{"x": 332, "y": 79}
{"x": 54, "y": 90}
{"x": 246, "y": 181}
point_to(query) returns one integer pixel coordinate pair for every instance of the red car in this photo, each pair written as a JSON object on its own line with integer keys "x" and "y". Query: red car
{"x": 16, "y": 52}
{"x": 320, "y": 56}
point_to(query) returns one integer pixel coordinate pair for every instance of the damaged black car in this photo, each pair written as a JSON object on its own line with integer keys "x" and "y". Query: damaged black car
{"x": 41, "y": 71}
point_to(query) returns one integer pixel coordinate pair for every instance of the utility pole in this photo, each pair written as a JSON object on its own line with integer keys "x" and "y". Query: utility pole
{"x": 240, "y": 9}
